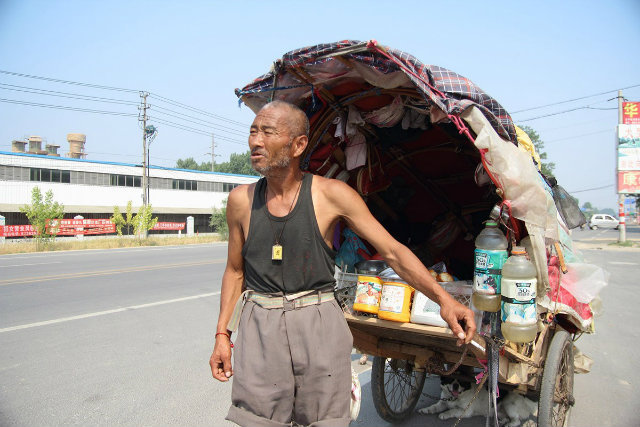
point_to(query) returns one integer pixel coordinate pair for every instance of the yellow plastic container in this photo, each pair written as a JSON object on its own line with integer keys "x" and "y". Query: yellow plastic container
{"x": 368, "y": 293}
{"x": 395, "y": 303}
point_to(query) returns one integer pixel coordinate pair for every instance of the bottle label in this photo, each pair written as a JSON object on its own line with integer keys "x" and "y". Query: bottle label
{"x": 519, "y": 290}
{"x": 392, "y": 298}
{"x": 519, "y": 313}
{"x": 368, "y": 292}
{"x": 488, "y": 271}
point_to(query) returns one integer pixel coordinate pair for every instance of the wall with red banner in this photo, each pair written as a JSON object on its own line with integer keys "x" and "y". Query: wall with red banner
{"x": 74, "y": 227}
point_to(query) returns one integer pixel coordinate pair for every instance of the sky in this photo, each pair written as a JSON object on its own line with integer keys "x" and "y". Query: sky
{"x": 191, "y": 55}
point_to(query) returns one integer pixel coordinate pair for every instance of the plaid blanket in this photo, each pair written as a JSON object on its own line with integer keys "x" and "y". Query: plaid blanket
{"x": 449, "y": 91}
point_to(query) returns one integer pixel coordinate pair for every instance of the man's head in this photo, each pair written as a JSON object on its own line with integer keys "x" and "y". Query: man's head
{"x": 278, "y": 135}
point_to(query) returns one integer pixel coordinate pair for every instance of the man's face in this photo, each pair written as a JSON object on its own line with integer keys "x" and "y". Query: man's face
{"x": 270, "y": 141}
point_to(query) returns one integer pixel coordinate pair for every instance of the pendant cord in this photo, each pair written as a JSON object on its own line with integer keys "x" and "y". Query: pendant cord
{"x": 286, "y": 217}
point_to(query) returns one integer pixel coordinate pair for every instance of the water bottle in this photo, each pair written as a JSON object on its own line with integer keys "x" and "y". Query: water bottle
{"x": 519, "y": 316}
{"x": 490, "y": 255}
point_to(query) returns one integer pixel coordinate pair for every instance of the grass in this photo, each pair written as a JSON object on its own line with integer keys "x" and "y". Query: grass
{"x": 30, "y": 245}
{"x": 626, "y": 244}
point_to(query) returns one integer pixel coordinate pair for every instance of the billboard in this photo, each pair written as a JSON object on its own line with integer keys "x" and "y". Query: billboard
{"x": 629, "y": 156}
{"x": 629, "y": 182}
{"x": 631, "y": 113}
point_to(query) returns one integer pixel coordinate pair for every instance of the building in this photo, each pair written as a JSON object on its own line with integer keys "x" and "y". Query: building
{"x": 92, "y": 188}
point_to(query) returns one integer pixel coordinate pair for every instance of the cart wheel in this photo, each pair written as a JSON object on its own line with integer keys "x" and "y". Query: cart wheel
{"x": 395, "y": 387}
{"x": 556, "y": 390}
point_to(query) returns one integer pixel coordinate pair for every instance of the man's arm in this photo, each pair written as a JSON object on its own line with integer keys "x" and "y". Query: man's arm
{"x": 232, "y": 281}
{"x": 355, "y": 212}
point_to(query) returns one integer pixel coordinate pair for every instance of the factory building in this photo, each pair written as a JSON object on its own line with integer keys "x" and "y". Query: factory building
{"x": 92, "y": 188}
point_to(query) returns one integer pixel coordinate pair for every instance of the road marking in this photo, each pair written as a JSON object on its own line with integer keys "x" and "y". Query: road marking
{"x": 79, "y": 252}
{"x": 35, "y": 279}
{"x": 102, "y": 313}
{"x": 35, "y": 263}
{"x": 623, "y": 263}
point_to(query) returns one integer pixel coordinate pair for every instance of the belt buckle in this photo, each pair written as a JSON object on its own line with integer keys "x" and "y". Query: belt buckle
{"x": 288, "y": 305}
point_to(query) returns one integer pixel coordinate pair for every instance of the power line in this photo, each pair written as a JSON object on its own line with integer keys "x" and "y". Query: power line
{"x": 586, "y": 107}
{"x": 194, "y": 130}
{"x": 49, "y": 79}
{"x": 64, "y": 107}
{"x": 37, "y": 91}
{"x": 591, "y": 189}
{"x": 96, "y": 86}
{"x": 197, "y": 110}
{"x": 574, "y": 99}
{"x": 203, "y": 123}
{"x": 580, "y": 136}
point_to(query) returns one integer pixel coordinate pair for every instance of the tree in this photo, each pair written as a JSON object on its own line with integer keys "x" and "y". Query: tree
{"x": 188, "y": 163}
{"x": 238, "y": 164}
{"x": 218, "y": 220}
{"x": 121, "y": 221}
{"x": 40, "y": 212}
{"x": 144, "y": 221}
{"x": 547, "y": 167}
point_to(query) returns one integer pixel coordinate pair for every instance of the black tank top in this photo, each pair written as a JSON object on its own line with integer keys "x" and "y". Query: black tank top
{"x": 307, "y": 261}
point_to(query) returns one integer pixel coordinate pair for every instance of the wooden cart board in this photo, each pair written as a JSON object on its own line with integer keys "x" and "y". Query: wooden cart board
{"x": 418, "y": 343}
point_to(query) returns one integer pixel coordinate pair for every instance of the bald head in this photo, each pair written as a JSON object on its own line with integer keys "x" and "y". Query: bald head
{"x": 296, "y": 119}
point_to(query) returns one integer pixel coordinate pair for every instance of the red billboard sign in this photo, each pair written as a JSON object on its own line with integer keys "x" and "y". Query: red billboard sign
{"x": 631, "y": 113}
{"x": 629, "y": 182}
{"x": 64, "y": 227}
{"x": 168, "y": 226}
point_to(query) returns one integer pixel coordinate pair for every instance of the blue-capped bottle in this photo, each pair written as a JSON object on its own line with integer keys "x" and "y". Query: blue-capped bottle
{"x": 490, "y": 255}
{"x": 519, "y": 285}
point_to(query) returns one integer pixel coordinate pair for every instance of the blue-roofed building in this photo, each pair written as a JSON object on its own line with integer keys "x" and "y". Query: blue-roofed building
{"x": 92, "y": 188}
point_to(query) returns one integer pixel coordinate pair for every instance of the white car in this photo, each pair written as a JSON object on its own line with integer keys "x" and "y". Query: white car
{"x": 604, "y": 221}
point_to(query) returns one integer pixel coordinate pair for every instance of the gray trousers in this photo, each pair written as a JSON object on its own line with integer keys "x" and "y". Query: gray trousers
{"x": 292, "y": 366}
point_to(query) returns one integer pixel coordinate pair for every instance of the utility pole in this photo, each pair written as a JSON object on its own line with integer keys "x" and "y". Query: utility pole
{"x": 213, "y": 154}
{"x": 143, "y": 118}
{"x": 622, "y": 226}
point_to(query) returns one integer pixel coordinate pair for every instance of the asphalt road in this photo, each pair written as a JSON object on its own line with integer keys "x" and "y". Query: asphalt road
{"x": 123, "y": 337}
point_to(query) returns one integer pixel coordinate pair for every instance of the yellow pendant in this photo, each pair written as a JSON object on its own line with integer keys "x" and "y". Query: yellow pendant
{"x": 276, "y": 253}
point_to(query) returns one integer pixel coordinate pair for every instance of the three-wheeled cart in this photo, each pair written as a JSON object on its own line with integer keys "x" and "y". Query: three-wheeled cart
{"x": 405, "y": 353}
{"x": 432, "y": 155}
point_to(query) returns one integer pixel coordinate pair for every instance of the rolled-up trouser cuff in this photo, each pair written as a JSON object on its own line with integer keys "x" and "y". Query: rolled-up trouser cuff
{"x": 244, "y": 418}
{"x": 333, "y": 422}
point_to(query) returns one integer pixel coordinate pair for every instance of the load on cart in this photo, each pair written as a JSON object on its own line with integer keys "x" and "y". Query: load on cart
{"x": 435, "y": 158}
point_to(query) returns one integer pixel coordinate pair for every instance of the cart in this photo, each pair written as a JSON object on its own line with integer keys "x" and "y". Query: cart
{"x": 433, "y": 156}
{"x": 405, "y": 353}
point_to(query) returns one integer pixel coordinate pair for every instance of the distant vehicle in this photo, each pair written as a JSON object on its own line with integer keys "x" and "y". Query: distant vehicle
{"x": 604, "y": 221}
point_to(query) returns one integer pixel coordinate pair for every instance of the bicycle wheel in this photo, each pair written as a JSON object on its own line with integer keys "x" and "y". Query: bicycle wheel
{"x": 396, "y": 388}
{"x": 556, "y": 390}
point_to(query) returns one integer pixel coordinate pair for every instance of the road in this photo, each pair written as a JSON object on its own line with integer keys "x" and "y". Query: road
{"x": 123, "y": 337}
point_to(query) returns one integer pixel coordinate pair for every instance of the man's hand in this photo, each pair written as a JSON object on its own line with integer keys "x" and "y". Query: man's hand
{"x": 220, "y": 360}
{"x": 458, "y": 316}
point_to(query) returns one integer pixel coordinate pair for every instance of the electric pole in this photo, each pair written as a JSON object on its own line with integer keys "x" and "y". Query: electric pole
{"x": 213, "y": 155}
{"x": 622, "y": 226}
{"x": 143, "y": 118}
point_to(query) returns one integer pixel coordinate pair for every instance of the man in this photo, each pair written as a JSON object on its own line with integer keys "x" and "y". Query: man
{"x": 292, "y": 353}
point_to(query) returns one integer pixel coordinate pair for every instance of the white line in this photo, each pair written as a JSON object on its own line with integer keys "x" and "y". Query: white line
{"x": 35, "y": 263}
{"x": 102, "y": 313}
{"x": 622, "y": 263}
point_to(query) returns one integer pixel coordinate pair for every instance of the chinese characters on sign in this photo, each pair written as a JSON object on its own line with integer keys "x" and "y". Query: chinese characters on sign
{"x": 629, "y": 182}
{"x": 631, "y": 113}
{"x": 73, "y": 227}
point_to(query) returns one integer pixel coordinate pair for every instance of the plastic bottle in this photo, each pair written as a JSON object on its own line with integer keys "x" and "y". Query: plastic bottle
{"x": 395, "y": 303}
{"x": 519, "y": 317}
{"x": 490, "y": 255}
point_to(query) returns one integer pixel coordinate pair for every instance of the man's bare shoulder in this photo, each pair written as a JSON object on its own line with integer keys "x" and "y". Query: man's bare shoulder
{"x": 333, "y": 190}
{"x": 240, "y": 197}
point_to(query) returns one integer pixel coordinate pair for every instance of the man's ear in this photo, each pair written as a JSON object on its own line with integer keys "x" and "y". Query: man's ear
{"x": 299, "y": 145}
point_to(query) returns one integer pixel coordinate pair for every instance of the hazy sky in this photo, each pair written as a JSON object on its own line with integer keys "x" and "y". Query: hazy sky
{"x": 524, "y": 54}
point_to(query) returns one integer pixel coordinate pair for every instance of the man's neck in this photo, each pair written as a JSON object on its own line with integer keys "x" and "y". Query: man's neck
{"x": 280, "y": 184}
